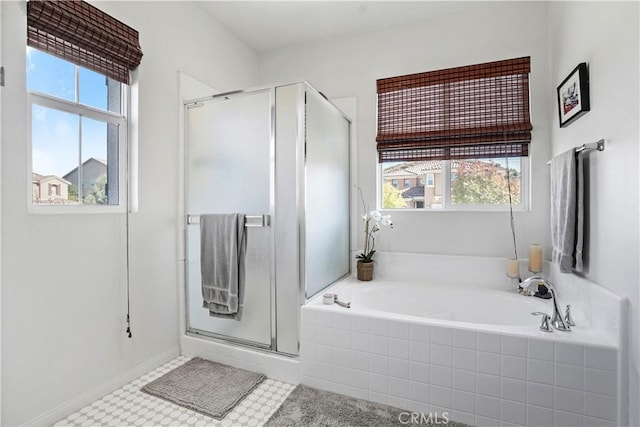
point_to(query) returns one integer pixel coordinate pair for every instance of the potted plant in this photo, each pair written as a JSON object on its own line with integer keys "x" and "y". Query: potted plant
{"x": 372, "y": 223}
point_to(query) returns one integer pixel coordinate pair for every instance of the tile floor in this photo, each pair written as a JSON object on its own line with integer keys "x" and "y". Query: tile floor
{"x": 128, "y": 406}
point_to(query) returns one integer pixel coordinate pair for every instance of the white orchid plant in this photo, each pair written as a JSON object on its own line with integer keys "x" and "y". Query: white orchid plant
{"x": 373, "y": 221}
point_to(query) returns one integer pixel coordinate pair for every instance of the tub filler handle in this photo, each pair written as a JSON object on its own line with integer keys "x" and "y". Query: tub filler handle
{"x": 544, "y": 326}
{"x": 329, "y": 299}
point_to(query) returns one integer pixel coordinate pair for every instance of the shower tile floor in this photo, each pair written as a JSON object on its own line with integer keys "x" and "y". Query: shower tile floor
{"x": 128, "y": 406}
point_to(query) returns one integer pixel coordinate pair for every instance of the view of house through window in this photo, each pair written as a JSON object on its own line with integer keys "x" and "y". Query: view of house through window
{"x": 441, "y": 184}
{"x": 77, "y": 124}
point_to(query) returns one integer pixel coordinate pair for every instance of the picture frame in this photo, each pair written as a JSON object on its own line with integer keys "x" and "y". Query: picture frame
{"x": 573, "y": 95}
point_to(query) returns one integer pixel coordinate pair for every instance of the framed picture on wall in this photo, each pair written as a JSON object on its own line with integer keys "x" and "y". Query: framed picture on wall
{"x": 573, "y": 95}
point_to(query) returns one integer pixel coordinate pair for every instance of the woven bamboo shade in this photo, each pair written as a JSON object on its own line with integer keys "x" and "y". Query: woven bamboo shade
{"x": 80, "y": 33}
{"x": 476, "y": 111}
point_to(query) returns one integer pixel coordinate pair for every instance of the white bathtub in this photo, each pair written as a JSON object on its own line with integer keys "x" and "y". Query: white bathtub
{"x": 471, "y": 350}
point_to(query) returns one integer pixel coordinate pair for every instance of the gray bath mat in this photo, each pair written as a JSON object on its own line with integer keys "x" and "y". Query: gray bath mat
{"x": 310, "y": 407}
{"x": 207, "y": 387}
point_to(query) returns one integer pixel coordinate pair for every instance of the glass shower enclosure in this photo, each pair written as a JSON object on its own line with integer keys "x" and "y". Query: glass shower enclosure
{"x": 280, "y": 156}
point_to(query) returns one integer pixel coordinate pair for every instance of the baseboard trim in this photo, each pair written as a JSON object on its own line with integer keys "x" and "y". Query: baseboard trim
{"x": 70, "y": 406}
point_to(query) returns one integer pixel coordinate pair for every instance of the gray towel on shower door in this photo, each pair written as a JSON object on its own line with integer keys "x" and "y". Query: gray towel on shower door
{"x": 563, "y": 210}
{"x": 222, "y": 253}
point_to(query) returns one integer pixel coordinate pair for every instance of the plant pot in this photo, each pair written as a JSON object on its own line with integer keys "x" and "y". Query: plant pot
{"x": 364, "y": 271}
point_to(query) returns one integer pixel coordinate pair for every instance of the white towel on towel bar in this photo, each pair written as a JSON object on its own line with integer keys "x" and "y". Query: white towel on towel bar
{"x": 222, "y": 254}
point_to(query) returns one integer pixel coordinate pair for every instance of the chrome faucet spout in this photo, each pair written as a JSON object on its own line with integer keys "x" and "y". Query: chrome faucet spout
{"x": 557, "y": 321}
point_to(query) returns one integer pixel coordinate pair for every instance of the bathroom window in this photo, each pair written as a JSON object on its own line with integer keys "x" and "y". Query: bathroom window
{"x": 479, "y": 184}
{"x": 79, "y": 63}
{"x": 78, "y": 132}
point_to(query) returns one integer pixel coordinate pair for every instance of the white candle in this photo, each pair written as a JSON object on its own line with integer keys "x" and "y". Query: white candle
{"x": 535, "y": 258}
{"x": 513, "y": 268}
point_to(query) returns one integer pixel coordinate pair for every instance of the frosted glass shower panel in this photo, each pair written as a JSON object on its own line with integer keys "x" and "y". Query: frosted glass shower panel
{"x": 326, "y": 194}
{"x": 229, "y": 169}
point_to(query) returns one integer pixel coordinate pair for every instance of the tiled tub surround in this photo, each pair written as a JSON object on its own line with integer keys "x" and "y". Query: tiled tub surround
{"x": 480, "y": 374}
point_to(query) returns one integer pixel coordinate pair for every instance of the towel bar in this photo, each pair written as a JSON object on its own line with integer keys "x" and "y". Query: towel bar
{"x": 249, "y": 220}
{"x": 598, "y": 145}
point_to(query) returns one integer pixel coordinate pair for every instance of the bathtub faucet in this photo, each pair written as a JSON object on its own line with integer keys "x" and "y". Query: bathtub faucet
{"x": 557, "y": 321}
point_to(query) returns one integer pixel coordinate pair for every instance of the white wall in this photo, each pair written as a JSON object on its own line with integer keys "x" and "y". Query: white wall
{"x": 63, "y": 324}
{"x": 481, "y": 32}
{"x": 605, "y": 35}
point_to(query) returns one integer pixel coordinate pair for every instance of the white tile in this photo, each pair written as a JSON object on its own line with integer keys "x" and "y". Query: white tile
{"x": 488, "y": 406}
{"x": 571, "y": 354}
{"x": 441, "y": 355}
{"x": 569, "y": 376}
{"x": 399, "y": 387}
{"x": 359, "y": 379}
{"x": 379, "y": 326}
{"x": 359, "y": 360}
{"x": 324, "y": 318}
{"x": 360, "y": 341}
{"x": 442, "y": 336}
{"x": 324, "y": 353}
{"x": 486, "y": 422}
{"x": 419, "y": 371}
{"x": 488, "y": 385}
{"x": 398, "y": 368}
{"x": 568, "y": 400}
{"x": 597, "y": 422}
{"x": 513, "y": 412}
{"x": 399, "y": 329}
{"x": 440, "y": 396}
{"x": 342, "y": 338}
{"x": 596, "y": 405}
{"x": 418, "y": 391}
{"x": 441, "y": 376}
{"x": 420, "y": 333}
{"x": 399, "y": 348}
{"x": 324, "y": 335}
{"x": 379, "y": 345}
{"x": 307, "y": 316}
{"x": 307, "y": 350}
{"x": 464, "y": 380}
{"x": 398, "y": 402}
{"x": 464, "y": 359}
{"x": 601, "y": 358}
{"x": 378, "y": 364}
{"x": 488, "y": 363}
{"x": 489, "y": 342}
{"x": 566, "y": 419}
{"x": 514, "y": 390}
{"x": 540, "y": 372}
{"x": 464, "y": 339}
{"x": 342, "y": 357}
{"x": 341, "y": 375}
{"x": 440, "y": 413}
{"x": 514, "y": 367}
{"x": 360, "y": 324}
{"x": 342, "y": 321}
{"x": 419, "y": 351}
{"x": 600, "y": 381}
{"x": 419, "y": 408}
{"x": 514, "y": 346}
{"x": 360, "y": 393}
{"x": 464, "y": 401}
{"x": 540, "y": 395}
{"x": 378, "y": 383}
{"x": 379, "y": 397}
{"x": 539, "y": 417}
{"x": 340, "y": 388}
{"x": 541, "y": 350}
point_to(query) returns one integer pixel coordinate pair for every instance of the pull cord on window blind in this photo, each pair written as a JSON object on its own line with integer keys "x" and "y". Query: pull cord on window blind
{"x": 476, "y": 111}
{"x": 84, "y": 35}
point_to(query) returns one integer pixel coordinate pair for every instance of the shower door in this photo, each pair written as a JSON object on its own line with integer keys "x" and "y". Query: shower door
{"x": 229, "y": 168}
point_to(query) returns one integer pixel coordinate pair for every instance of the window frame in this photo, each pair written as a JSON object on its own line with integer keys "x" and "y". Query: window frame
{"x": 74, "y": 107}
{"x": 523, "y": 206}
